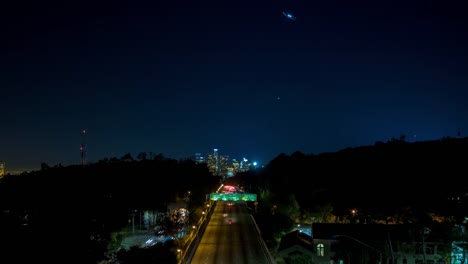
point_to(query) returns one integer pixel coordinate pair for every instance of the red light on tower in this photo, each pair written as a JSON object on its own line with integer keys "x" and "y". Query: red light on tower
{"x": 83, "y": 147}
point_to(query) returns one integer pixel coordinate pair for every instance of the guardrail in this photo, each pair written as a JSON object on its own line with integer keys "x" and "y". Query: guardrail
{"x": 266, "y": 251}
{"x": 192, "y": 241}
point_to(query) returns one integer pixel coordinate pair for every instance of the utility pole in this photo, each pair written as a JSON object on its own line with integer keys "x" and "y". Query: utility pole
{"x": 391, "y": 248}
{"x": 425, "y": 231}
{"x": 133, "y": 223}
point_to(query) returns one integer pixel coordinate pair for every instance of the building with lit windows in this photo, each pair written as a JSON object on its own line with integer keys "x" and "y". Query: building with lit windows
{"x": 2, "y": 169}
{"x": 235, "y": 165}
{"x": 230, "y": 172}
{"x": 198, "y": 158}
{"x": 213, "y": 162}
{"x": 219, "y": 165}
{"x": 245, "y": 165}
{"x": 223, "y": 165}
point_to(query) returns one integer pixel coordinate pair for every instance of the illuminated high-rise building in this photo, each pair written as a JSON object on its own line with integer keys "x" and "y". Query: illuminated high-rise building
{"x": 213, "y": 162}
{"x": 245, "y": 165}
{"x": 223, "y": 165}
{"x": 199, "y": 158}
{"x": 230, "y": 172}
{"x": 235, "y": 165}
{"x": 2, "y": 169}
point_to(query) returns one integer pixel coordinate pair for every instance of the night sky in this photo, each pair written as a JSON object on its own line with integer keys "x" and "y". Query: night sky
{"x": 180, "y": 77}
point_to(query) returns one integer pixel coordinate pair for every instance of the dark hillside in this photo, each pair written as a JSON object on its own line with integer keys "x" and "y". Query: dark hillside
{"x": 384, "y": 176}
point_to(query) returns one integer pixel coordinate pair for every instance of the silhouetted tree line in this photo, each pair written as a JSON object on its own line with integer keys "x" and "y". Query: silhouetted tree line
{"x": 410, "y": 181}
{"x": 66, "y": 206}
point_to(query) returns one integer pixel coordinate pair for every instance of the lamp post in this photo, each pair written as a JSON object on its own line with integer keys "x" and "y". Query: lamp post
{"x": 364, "y": 244}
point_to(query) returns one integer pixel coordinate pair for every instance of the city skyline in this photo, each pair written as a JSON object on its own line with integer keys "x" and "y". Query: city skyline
{"x": 253, "y": 79}
{"x": 195, "y": 157}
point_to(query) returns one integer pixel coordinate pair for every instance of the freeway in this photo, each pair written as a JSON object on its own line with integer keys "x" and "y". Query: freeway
{"x": 231, "y": 237}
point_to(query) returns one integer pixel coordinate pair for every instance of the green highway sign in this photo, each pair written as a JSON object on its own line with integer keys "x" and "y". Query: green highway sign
{"x": 248, "y": 197}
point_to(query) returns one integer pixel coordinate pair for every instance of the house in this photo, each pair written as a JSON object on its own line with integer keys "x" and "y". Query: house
{"x": 376, "y": 243}
{"x": 295, "y": 245}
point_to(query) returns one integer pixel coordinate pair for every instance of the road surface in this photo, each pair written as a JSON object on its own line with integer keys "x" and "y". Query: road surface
{"x": 231, "y": 237}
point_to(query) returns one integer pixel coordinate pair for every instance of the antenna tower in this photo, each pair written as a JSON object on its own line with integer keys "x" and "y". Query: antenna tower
{"x": 83, "y": 147}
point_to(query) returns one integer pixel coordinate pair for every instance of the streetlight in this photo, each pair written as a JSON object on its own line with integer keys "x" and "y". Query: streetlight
{"x": 179, "y": 255}
{"x": 364, "y": 244}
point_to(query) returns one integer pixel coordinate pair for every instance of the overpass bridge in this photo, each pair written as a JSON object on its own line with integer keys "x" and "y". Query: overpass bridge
{"x": 246, "y": 197}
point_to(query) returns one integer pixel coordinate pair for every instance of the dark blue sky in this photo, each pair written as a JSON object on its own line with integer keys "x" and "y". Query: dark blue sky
{"x": 179, "y": 77}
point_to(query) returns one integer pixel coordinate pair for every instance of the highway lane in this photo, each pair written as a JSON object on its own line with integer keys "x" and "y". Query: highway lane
{"x": 230, "y": 237}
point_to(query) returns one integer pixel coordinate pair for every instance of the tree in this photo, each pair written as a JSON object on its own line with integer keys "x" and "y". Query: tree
{"x": 288, "y": 206}
{"x": 127, "y": 157}
{"x": 323, "y": 213}
{"x": 142, "y": 156}
{"x": 44, "y": 166}
{"x": 266, "y": 200}
{"x": 299, "y": 259}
